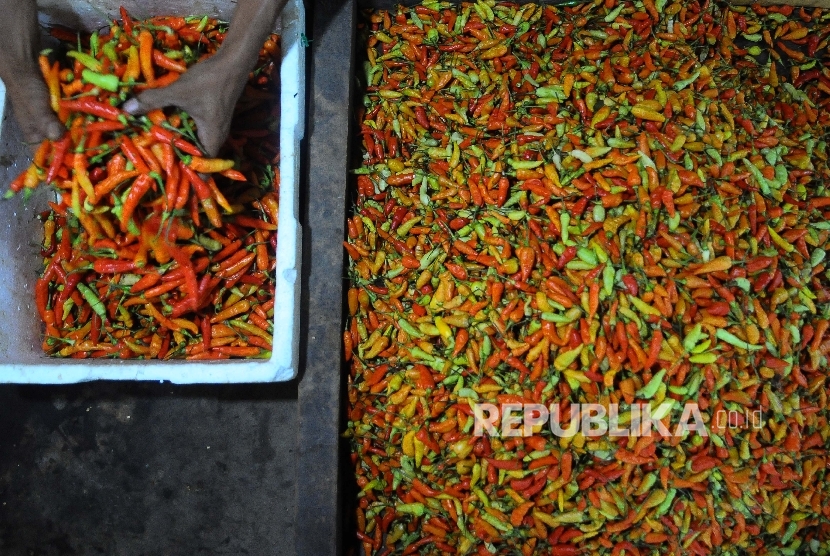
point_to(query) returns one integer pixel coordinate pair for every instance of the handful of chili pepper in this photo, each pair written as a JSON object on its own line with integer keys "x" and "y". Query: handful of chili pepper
{"x": 613, "y": 203}
{"x": 152, "y": 250}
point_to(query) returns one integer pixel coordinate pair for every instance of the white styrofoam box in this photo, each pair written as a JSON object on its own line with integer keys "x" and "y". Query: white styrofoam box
{"x": 2, "y": 104}
{"x": 21, "y": 358}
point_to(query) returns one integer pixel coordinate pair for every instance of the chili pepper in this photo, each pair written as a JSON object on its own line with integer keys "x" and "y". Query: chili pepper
{"x": 153, "y": 164}
{"x": 223, "y": 202}
{"x": 138, "y": 189}
{"x": 145, "y": 53}
{"x": 58, "y": 153}
{"x": 199, "y": 186}
{"x": 103, "y": 266}
{"x": 242, "y": 263}
{"x": 167, "y": 63}
{"x": 91, "y": 106}
{"x": 209, "y": 165}
{"x": 50, "y": 75}
{"x": 87, "y": 60}
{"x": 232, "y": 311}
{"x": 166, "y": 136}
{"x": 108, "y": 82}
{"x": 146, "y": 281}
{"x": 698, "y": 265}
{"x": 82, "y": 297}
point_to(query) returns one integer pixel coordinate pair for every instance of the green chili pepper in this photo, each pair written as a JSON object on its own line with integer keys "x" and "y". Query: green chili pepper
{"x": 109, "y": 52}
{"x": 701, "y": 347}
{"x": 404, "y": 228}
{"x": 93, "y": 300}
{"x": 650, "y": 389}
{"x": 557, "y": 318}
{"x": 683, "y": 83}
{"x": 428, "y": 259}
{"x": 693, "y": 337}
{"x": 612, "y": 15}
{"x": 555, "y": 92}
{"x": 730, "y": 338}
{"x": 643, "y": 307}
{"x": 89, "y": 61}
{"x": 817, "y": 257}
{"x": 107, "y": 82}
{"x": 788, "y": 534}
{"x": 666, "y": 504}
{"x": 743, "y": 283}
{"x": 599, "y": 212}
{"x": 524, "y": 164}
{"x": 715, "y": 156}
{"x": 67, "y": 307}
{"x": 494, "y": 521}
{"x": 564, "y": 221}
{"x": 416, "y": 508}
{"x": 703, "y": 358}
{"x": 570, "y": 517}
{"x": 202, "y": 24}
{"x": 766, "y": 185}
{"x": 663, "y": 409}
{"x": 563, "y": 360}
{"x": 209, "y": 243}
{"x": 608, "y": 274}
{"x": 421, "y": 354}
{"x": 646, "y": 484}
{"x": 587, "y": 255}
{"x": 94, "y": 43}
{"x": 484, "y": 10}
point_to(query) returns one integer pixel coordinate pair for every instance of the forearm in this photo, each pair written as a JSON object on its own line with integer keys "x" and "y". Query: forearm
{"x": 251, "y": 23}
{"x": 20, "y": 38}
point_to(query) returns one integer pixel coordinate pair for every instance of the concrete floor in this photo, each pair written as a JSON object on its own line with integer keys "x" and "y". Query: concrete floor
{"x": 147, "y": 469}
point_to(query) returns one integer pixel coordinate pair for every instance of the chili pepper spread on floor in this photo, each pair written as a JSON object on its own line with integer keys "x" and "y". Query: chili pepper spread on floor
{"x": 152, "y": 250}
{"x": 612, "y": 203}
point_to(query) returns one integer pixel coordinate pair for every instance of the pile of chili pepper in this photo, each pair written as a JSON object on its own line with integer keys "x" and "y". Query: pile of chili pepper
{"x": 610, "y": 203}
{"x": 152, "y": 250}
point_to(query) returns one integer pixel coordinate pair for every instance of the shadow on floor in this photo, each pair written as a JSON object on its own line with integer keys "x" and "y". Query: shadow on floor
{"x": 146, "y": 469}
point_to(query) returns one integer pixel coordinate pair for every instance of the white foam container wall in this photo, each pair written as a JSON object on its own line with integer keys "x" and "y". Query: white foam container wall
{"x": 21, "y": 358}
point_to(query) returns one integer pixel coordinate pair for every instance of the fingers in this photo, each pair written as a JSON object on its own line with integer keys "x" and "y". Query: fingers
{"x": 134, "y": 107}
{"x": 212, "y": 119}
{"x": 154, "y": 98}
{"x": 196, "y": 93}
{"x": 53, "y": 129}
{"x": 211, "y": 134}
{"x": 30, "y": 101}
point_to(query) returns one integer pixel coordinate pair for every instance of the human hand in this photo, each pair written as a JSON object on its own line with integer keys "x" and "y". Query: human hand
{"x": 19, "y": 45}
{"x": 30, "y": 105}
{"x": 207, "y": 91}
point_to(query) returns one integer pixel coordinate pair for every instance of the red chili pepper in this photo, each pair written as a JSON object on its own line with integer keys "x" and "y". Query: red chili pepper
{"x": 137, "y": 190}
{"x": 567, "y": 256}
{"x": 58, "y": 155}
{"x": 806, "y": 76}
{"x": 508, "y": 465}
{"x": 133, "y": 154}
{"x": 199, "y": 186}
{"x": 126, "y": 20}
{"x": 105, "y": 266}
{"x": 631, "y": 284}
{"x": 424, "y": 437}
{"x": 94, "y": 107}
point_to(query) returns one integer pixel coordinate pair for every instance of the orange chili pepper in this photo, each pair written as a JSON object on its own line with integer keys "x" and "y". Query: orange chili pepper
{"x": 145, "y": 56}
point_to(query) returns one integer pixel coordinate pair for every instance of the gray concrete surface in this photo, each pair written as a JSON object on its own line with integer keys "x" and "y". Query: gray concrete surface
{"x": 320, "y": 499}
{"x": 138, "y": 469}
